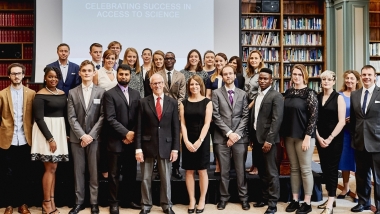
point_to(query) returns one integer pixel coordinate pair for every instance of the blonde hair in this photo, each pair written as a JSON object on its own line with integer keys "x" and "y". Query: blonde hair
{"x": 356, "y": 74}
{"x": 154, "y": 69}
{"x": 137, "y": 63}
{"x": 327, "y": 74}
{"x": 302, "y": 68}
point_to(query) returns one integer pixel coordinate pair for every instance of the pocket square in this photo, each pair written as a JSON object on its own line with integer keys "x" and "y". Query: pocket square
{"x": 376, "y": 101}
{"x": 72, "y": 73}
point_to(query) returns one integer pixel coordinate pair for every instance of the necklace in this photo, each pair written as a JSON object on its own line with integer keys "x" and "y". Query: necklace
{"x": 55, "y": 93}
{"x": 109, "y": 72}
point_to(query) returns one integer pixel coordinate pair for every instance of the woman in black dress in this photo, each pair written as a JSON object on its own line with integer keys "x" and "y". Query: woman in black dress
{"x": 196, "y": 112}
{"x": 331, "y": 120}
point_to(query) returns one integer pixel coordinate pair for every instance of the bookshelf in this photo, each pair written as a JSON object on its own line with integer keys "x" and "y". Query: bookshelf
{"x": 16, "y": 34}
{"x": 293, "y": 35}
{"x": 374, "y": 34}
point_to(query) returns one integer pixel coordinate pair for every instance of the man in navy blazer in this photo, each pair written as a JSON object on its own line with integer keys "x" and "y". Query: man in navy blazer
{"x": 70, "y": 76}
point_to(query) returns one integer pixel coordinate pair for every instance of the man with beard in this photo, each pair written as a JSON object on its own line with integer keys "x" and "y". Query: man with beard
{"x": 16, "y": 133}
{"x": 120, "y": 111}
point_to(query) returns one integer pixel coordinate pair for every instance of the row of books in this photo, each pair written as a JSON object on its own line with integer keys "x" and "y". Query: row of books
{"x": 302, "y": 23}
{"x": 375, "y": 64}
{"x": 269, "y": 54}
{"x": 302, "y": 7}
{"x": 312, "y": 70}
{"x": 258, "y": 22}
{"x": 27, "y": 52}
{"x": 4, "y": 66}
{"x": 16, "y": 19}
{"x": 315, "y": 85}
{"x": 302, "y": 39}
{"x": 255, "y": 38}
{"x": 275, "y": 67}
{"x": 302, "y": 55}
{"x": 374, "y": 49}
{"x": 374, "y": 6}
{"x": 374, "y": 20}
{"x": 16, "y": 35}
{"x": 16, "y": 4}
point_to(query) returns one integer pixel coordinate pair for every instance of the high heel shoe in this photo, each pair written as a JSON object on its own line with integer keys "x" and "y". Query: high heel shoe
{"x": 324, "y": 205}
{"x": 199, "y": 210}
{"x": 43, "y": 210}
{"x": 343, "y": 196}
{"x": 191, "y": 210}
{"x": 55, "y": 211}
{"x": 327, "y": 211}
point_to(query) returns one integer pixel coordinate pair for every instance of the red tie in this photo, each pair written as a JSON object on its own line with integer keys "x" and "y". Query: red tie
{"x": 158, "y": 108}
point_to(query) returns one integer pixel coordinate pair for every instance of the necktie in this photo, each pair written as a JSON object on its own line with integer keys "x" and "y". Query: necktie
{"x": 115, "y": 66}
{"x": 169, "y": 79}
{"x": 230, "y": 92}
{"x": 365, "y": 101}
{"x": 126, "y": 96}
{"x": 158, "y": 108}
{"x": 97, "y": 67}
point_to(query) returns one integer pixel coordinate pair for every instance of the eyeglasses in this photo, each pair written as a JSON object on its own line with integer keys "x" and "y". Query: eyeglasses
{"x": 156, "y": 83}
{"x": 170, "y": 58}
{"x": 16, "y": 74}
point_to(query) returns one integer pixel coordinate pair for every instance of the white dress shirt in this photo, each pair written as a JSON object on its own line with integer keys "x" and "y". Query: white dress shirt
{"x": 87, "y": 93}
{"x": 370, "y": 92}
{"x": 259, "y": 99}
{"x": 64, "y": 70}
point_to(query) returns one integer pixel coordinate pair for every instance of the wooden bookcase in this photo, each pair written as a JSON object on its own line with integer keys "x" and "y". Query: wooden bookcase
{"x": 293, "y": 35}
{"x": 374, "y": 34}
{"x": 16, "y": 33}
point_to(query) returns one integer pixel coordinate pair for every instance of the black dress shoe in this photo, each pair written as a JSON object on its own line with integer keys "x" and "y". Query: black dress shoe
{"x": 360, "y": 208}
{"x": 76, "y": 209}
{"x": 304, "y": 208}
{"x": 114, "y": 209}
{"x": 94, "y": 209}
{"x": 245, "y": 205}
{"x": 271, "y": 210}
{"x": 343, "y": 196}
{"x": 260, "y": 204}
{"x": 144, "y": 211}
{"x": 134, "y": 206}
{"x": 221, "y": 205}
{"x": 176, "y": 173}
{"x": 169, "y": 211}
{"x": 292, "y": 206}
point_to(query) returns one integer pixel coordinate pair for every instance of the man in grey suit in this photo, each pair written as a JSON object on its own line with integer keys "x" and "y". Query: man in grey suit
{"x": 175, "y": 87}
{"x": 157, "y": 136}
{"x": 230, "y": 116}
{"x": 365, "y": 126}
{"x": 265, "y": 123}
{"x": 85, "y": 115}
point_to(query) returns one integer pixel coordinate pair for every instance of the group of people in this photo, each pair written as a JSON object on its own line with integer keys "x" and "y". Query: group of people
{"x": 112, "y": 113}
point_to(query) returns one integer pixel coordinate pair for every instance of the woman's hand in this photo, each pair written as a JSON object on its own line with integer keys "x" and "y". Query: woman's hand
{"x": 305, "y": 145}
{"x": 197, "y": 144}
{"x": 53, "y": 146}
{"x": 190, "y": 147}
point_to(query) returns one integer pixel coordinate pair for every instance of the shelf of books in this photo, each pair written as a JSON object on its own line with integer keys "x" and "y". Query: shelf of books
{"x": 374, "y": 35}
{"x": 16, "y": 37}
{"x": 293, "y": 35}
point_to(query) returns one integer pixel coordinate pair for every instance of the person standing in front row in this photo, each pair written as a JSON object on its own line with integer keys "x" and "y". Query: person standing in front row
{"x": 69, "y": 70}
{"x": 157, "y": 136}
{"x": 365, "y": 125}
{"x": 16, "y": 133}
{"x": 300, "y": 114}
{"x": 120, "y": 113}
{"x": 85, "y": 116}
{"x": 265, "y": 124}
{"x": 230, "y": 115}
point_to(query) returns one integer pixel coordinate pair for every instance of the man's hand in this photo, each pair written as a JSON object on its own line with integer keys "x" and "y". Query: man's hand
{"x": 173, "y": 156}
{"x": 130, "y": 136}
{"x": 266, "y": 147}
{"x": 234, "y": 137}
{"x": 139, "y": 157}
{"x": 86, "y": 140}
{"x": 230, "y": 143}
{"x": 126, "y": 141}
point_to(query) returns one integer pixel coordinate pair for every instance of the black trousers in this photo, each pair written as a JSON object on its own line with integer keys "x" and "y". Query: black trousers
{"x": 15, "y": 171}
{"x": 365, "y": 161}
{"x": 127, "y": 161}
{"x": 329, "y": 158}
{"x": 268, "y": 172}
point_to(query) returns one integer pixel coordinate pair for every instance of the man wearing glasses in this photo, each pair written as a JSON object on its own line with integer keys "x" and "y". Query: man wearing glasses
{"x": 16, "y": 133}
{"x": 174, "y": 87}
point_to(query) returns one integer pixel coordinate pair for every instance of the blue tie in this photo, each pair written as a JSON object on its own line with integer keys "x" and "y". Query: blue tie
{"x": 365, "y": 101}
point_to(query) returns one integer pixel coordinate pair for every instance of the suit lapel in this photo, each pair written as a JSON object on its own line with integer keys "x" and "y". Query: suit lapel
{"x": 81, "y": 97}
{"x": 163, "y": 74}
{"x": 151, "y": 105}
{"x": 376, "y": 92}
{"x": 235, "y": 98}
{"x": 174, "y": 77}
{"x": 165, "y": 105}
{"x": 358, "y": 101}
{"x": 264, "y": 98}
{"x": 90, "y": 101}
{"x": 9, "y": 98}
{"x": 224, "y": 93}
{"x": 121, "y": 94}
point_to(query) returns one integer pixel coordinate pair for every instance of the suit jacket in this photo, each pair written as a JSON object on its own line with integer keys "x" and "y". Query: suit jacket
{"x": 365, "y": 128}
{"x": 177, "y": 89}
{"x": 120, "y": 116}
{"x": 157, "y": 137}
{"x": 227, "y": 117}
{"x": 7, "y": 116}
{"x": 84, "y": 120}
{"x": 72, "y": 79}
{"x": 269, "y": 118}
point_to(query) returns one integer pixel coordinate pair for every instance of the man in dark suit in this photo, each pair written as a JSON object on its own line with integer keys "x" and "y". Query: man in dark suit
{"x": 157, "y": 137}
{"x": 70, "y": 77}
{"x": 230, "y": 116}
{"x": 96, "y": 52}
{"x": 265, "y": 123}
{"x": 85, "y": 115}
{"x": 116, "y": 46}
{"x": 175, "y": 87}
{"x": 365, "y": 126}
{"x": 120, "y": 112}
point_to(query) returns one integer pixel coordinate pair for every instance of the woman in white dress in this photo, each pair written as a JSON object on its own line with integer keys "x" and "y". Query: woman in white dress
{"x": 105, "y": 77}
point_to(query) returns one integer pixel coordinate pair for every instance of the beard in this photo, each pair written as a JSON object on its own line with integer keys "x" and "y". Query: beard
{"x": 123, "y": 83}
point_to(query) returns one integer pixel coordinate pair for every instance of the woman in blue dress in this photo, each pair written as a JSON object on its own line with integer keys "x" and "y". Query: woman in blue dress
{"x": 347, "y": 161}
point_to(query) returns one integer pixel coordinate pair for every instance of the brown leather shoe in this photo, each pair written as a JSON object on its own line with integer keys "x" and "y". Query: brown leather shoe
{"x": 8, "y": 210}
{"x": 23, "y": 209}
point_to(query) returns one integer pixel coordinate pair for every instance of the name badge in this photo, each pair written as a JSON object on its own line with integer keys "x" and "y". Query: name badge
{"x": 96, "y": 101}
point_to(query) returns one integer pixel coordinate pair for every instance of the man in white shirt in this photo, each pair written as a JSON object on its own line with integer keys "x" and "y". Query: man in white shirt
{"x": 96, "y": 51}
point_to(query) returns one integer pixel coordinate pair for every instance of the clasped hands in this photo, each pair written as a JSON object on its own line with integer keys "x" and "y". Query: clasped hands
{"x": 232, "y": 139}
{"x": 129, "y": 137}
{"x": 86, "y": 140}
{"x": 324, "y": 142}
{"x": 193, "y": 147}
